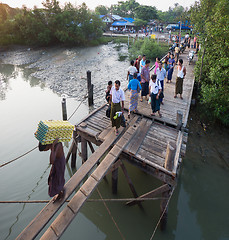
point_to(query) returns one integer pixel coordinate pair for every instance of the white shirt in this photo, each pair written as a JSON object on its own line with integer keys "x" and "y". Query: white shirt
{"x": 161, "y": 74}
{"x": 132, "y": 70}
{"x": 117, "y": 96}
{"x": 180, "y": 73}
{"x": 154, "y": 87}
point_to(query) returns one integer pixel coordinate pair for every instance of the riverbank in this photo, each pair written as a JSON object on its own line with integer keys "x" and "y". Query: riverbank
{"x": 64, "y": 69}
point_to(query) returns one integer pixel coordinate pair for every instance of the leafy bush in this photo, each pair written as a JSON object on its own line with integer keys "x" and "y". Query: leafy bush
{"x": 149, "y": 47}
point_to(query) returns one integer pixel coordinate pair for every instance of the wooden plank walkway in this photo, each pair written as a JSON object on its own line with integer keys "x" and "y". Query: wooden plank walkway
{"x": 143, "y": 143}
{"x": 70, "y": 211}
{"x": 40, "y": 221}
{"x": 171, "y": 105}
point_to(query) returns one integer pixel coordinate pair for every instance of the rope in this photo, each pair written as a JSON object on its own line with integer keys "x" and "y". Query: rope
{"x": 4, "y": 164}
{"x": 77, "y": 107}
{"x": 116, "y": 225}
{"x": 89, "y": 200}
{"x": 84, "y": 97}
{"x": 162, "y": 215}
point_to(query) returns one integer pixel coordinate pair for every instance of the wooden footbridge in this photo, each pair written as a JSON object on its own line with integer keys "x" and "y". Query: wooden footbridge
{"x": 155, "y": 145}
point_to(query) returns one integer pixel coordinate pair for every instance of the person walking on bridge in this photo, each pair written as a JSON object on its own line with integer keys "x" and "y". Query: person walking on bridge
{"x": 131, "y": 70}
{"x": 117, "y": 96}
{"x": 171, "y": 67}
{"x": 181, "y": 72}
{"x": 137, "y": 62}
{"x": 155, "y": 90}
{"x": 56, "y": 179}
{"x": 145, "y": 77}
{"x": 142, "y": 63}
{"x": 161, "y": 75}
{"x": 134, "y": 86}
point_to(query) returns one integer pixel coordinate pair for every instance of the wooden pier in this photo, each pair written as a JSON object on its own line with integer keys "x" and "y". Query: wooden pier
{"x": 155, "y": 145}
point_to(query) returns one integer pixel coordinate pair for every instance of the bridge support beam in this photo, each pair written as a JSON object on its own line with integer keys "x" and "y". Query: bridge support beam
{"x": 84, "y": 154}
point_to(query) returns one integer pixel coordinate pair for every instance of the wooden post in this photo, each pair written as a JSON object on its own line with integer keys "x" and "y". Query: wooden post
{"x": 74, "y": 150}
{"x": 131, "y": 185}
{"x": 169, "y": 158}
{"x": 91, "y": 146}
{"x": 84, "y": 150}
{"x": 90, "y": 89}
{"x": 179, "y": 119}
{"x": 115, "y": 181}
{"x": 169, "y": 164}
{"x": 64, "y": 109}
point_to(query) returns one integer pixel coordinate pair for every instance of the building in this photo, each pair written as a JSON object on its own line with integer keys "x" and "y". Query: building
{"x": 117, "y": 22}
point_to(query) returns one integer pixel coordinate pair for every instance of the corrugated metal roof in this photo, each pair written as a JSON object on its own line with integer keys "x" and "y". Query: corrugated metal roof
{"x": 129, "y": 19}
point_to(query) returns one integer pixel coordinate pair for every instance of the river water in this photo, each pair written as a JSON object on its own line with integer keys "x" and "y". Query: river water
{"x": 32, "y": 92}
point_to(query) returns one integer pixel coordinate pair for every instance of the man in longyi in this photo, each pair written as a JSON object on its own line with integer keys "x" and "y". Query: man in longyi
{"x": 117, "y": 97}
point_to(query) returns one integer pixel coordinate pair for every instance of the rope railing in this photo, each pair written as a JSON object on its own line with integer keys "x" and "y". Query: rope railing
{"x": 6, "y": 163}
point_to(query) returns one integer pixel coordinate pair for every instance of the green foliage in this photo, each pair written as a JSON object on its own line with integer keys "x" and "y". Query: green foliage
{"x": 139, "y": 22}
{"x": 125, "y": 9}
{"x": 146, "y": 13}
{"x": 149, "y": 47}
{"x": 101, "y": 10}
{"x": 213, "y": 31}
{"x": 52, "y": 25}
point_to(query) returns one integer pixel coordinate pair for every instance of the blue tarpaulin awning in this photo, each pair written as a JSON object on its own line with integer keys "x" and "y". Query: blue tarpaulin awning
{"x": 121, "y": 24}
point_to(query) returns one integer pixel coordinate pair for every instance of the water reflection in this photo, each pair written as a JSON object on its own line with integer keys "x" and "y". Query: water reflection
{"x": 6, "y": 72}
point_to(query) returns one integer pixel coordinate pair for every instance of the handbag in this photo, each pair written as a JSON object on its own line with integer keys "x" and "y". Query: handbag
{"x": 108, "y": 111}
{"x": 123, "y": 121}
{"x": 161, "y": 95}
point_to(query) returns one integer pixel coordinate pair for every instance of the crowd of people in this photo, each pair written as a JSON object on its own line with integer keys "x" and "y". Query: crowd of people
{"x": 150, "y": 88}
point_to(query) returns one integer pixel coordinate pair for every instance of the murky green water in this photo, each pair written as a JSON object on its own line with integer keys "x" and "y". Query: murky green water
{"x": 198, "y": 209}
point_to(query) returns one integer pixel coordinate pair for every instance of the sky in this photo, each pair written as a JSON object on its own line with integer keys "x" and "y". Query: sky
{"x": 159, "y": 4}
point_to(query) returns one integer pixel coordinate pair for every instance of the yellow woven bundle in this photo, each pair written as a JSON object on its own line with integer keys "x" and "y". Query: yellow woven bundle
{"x": 49, "y": 130}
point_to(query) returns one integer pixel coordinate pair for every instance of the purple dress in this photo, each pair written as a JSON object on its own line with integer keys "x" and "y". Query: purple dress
{"x": 56, "y": 179}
